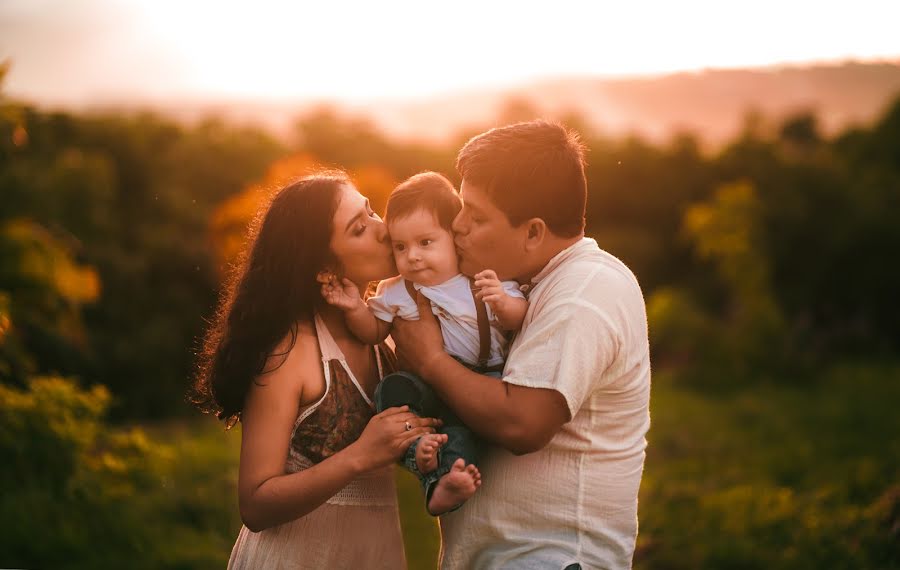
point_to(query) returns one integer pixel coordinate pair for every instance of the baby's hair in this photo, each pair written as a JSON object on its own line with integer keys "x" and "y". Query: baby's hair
{"x": 427, "y": 191}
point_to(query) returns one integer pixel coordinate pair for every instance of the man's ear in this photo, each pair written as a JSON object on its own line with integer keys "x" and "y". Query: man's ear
{"x": 535, "y": 233}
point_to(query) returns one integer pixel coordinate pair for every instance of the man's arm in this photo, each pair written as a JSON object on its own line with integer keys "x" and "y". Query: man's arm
{"x": 518, "y": 418}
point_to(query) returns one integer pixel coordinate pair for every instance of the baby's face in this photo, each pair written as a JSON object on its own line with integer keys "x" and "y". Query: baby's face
{"x": 423, "y": 250}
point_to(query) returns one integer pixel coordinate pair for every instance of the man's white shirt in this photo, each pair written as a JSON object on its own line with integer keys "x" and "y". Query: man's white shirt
{"x": 575, "y": 500}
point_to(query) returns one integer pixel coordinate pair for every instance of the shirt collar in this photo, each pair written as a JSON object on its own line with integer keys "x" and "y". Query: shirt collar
{"x": 565, "y": 255}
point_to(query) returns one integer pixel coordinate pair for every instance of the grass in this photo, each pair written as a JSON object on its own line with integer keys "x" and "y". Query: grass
{"x": 774, "y": 476}
{"x": 770, "y": 476}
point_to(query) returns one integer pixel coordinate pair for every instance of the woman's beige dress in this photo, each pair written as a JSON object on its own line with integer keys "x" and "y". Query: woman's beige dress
{"x": 359, "y": 527}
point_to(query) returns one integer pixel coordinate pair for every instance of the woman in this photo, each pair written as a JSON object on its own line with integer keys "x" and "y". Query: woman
{"x": 315, "y": 484}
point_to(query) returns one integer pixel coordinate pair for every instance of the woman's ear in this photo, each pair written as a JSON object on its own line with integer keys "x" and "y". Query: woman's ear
{"x": 325, "y": 276}
{"x": 535, "y": 233}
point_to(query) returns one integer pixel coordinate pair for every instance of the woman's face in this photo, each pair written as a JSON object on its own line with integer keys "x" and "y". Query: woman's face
{"x": 360, "y": 241}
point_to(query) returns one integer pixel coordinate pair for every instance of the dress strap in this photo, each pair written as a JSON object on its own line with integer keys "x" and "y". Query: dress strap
{"x": 329, "y": 349}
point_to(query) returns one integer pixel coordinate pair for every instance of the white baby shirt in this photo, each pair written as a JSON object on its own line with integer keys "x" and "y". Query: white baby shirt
{"x": 454, "y": 306}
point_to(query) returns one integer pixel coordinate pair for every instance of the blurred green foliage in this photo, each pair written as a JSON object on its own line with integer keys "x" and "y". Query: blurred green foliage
{"x": 81, "y": 494}
{"x": 781, "y": 476}
{"x": 774, "y": 246}
{"x": 776, "y": 477}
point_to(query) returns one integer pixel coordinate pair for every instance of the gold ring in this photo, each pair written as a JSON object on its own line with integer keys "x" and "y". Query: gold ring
{"x": 408, "y": 426}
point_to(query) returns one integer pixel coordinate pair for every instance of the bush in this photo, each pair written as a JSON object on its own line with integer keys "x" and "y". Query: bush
{"x": 87, "y": 496}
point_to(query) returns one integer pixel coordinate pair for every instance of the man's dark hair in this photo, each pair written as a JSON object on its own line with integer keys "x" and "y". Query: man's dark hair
{"x": 427, "y": 191}
{"x": 530, "y": 170}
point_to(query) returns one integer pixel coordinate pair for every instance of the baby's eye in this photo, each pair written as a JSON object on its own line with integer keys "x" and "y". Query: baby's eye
{"x": 399, "y": 246}
{"x": 426, "y": 242}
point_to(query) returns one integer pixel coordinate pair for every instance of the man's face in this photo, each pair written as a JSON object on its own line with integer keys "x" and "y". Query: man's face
{"x": 484, "y": 237}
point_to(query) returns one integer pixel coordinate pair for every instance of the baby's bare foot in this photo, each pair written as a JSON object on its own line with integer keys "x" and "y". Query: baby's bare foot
{"x": 454, "y": 487}
{"x": 426, "y": 451}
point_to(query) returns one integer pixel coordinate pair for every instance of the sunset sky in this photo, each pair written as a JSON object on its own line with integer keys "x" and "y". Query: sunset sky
{"x": 79, "y": 51}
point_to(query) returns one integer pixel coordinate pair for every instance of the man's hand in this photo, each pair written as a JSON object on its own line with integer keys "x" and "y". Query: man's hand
{"x": 420, "y": 344}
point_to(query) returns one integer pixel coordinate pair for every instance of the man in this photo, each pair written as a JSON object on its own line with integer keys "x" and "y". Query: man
{"x": 569, "y": 417}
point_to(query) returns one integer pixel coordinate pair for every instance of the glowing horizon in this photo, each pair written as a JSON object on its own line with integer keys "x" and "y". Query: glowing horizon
{"x": 107, "y": 49}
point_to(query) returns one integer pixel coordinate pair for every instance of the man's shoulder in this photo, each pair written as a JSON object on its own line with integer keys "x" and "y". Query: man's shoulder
{"x": 595, "y": 272}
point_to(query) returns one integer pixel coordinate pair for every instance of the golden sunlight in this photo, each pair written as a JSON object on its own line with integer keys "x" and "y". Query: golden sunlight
{"x": 364, "y": 51}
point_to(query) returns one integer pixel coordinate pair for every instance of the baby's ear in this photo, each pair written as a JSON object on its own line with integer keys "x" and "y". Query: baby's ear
{"x": 324, "y": 276}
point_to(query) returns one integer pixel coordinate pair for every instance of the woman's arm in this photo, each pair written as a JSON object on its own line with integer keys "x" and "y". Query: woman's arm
{"x": 266, "y": 494}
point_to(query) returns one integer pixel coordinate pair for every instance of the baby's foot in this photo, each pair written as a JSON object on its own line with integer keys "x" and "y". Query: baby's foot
{"x": 454, "y": 487}
{"x": 426, "y": 451}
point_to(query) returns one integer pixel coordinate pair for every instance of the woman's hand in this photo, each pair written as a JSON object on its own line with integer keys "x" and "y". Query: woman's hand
{"x": 388, "y": 435}
{"x": 343, "y": 293}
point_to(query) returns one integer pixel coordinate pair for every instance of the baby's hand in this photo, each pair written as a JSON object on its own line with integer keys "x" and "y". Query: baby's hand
{"x": 343, "y": 295}
{"x": 490, "y": 290}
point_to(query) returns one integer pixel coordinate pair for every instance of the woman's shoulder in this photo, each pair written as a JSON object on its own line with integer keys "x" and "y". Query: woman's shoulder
{"x": 295, "y": 360}
{"x": 300, "y": 337}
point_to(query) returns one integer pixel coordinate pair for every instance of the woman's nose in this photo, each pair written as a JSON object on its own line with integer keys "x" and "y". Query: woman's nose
{"x": 381, "y": 232}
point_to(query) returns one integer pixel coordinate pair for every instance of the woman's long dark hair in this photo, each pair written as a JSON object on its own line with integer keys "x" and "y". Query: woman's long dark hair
{"x": 272, "y": 287}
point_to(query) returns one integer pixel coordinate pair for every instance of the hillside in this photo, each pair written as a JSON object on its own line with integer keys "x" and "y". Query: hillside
{"x": 711, "y": 103}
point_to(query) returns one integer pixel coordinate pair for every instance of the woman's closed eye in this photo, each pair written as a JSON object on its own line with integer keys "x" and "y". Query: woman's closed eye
{"x": 360, "y": 229}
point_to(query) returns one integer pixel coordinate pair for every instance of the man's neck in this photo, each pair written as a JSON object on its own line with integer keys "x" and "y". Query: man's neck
{"x": 551, "y": 248}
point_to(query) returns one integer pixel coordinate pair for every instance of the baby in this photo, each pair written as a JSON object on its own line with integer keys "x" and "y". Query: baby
{"x": 473, "y": 319}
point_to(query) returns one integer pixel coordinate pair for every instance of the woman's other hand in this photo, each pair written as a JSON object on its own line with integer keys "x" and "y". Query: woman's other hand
{"x": 387, "y": 436}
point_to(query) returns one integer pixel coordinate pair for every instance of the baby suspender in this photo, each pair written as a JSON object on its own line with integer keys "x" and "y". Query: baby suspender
{"x": 484, "y": 329}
